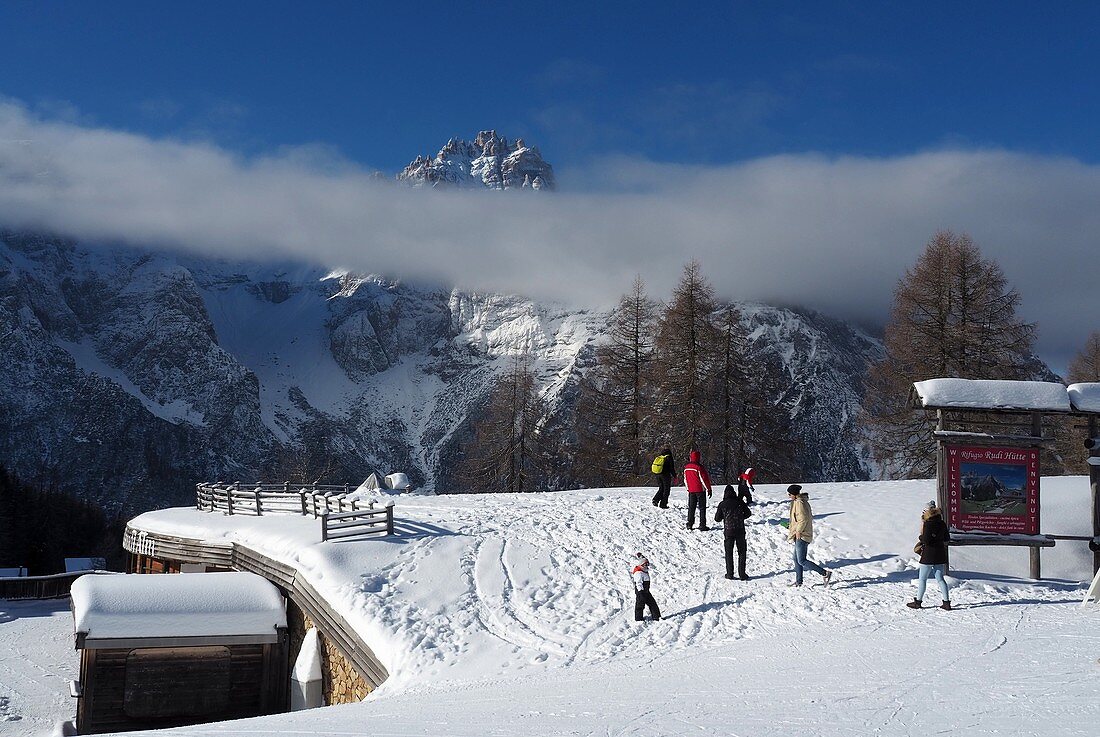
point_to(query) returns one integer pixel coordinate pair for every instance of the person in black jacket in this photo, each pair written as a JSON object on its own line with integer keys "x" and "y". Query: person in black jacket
{"x": 664, "y": 480}
{"x": 732, "y": 513}
{"x": 933, "y": 555}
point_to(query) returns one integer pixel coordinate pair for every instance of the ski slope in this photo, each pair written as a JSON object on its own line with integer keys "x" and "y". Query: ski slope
{"x": 513, "y": 615}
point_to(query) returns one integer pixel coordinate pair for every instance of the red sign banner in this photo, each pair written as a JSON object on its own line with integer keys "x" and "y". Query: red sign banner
{"x": 993, "y": 489}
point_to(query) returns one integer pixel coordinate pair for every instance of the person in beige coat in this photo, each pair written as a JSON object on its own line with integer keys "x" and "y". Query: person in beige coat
{"x": 800, "y": 531}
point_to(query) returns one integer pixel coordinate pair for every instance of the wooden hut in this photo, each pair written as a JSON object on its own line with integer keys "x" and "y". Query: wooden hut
{"x": 165, "y": 651}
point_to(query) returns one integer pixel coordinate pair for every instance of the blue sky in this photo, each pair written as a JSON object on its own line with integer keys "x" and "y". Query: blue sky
{"x": 705, "y": 83}
{"x": 803, "y": 152}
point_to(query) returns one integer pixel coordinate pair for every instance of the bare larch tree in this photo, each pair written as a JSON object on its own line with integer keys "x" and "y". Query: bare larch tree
{"x": 954, "y": 315}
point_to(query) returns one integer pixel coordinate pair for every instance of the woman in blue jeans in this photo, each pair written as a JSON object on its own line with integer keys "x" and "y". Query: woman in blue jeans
{"x": 800, "y": 531}
{"x": 934, "y": 536}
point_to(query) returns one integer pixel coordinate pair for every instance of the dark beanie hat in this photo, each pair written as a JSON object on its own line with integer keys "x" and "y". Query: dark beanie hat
{"x": 794, "y": 489}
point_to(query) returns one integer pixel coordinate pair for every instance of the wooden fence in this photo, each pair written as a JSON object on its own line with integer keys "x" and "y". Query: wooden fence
{"x": 354, "y": 523}
{"x": 340, "y": 517}
{"x": 40, "y": 587}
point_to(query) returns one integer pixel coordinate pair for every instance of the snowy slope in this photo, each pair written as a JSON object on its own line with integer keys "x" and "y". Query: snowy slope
{"x": 511, "y": 615}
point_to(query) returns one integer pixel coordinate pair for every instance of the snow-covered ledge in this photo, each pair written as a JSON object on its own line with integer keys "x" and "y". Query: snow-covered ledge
{"x": 979, "y": 394}
{"x": 1085, "y": 397}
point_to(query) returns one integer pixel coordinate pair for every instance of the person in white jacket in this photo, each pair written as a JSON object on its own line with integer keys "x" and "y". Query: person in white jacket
{"x": 800, "y": 531}
{"x": 642, "y": 597}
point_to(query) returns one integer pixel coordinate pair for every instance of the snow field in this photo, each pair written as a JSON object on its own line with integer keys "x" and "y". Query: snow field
{"x": 37, "y": 661}
{"x": 503, "y": 583}
{"x": 512, "y": 615}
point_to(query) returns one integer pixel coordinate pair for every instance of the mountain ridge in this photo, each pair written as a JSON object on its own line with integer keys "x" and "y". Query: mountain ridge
{"x": 130, "y": 374}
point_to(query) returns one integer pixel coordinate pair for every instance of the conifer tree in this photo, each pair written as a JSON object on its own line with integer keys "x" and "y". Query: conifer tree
{"x": 751, "y": 418}
{"x": 504, "y": 453}
{"x": 954, "y": 315}
{"x": 1085, "y": 366}
{"x": 731, "y": 393}
{"x": 623, "y": 378}
{"x": 686, "y": 354}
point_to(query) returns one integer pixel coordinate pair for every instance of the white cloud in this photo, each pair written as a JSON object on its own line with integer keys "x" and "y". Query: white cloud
{"x": 831, "y": 233}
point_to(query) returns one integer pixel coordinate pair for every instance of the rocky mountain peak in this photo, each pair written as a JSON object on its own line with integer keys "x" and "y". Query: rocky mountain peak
{"x": 490, "y": 161}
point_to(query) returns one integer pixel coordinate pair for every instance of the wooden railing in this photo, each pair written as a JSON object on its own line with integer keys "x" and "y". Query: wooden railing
{"x": 40, "y": 587}
{"x": 354, "y": 523}
{"x": 340, "y": 517}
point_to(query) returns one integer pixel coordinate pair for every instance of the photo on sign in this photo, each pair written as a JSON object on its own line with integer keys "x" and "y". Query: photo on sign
{"x": 994, "y": 488}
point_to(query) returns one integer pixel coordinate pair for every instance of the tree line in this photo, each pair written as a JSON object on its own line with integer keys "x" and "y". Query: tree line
{"x": 671, "y": 375}
{"x": 39, "y": 528}
{"x": 678, "y": 375}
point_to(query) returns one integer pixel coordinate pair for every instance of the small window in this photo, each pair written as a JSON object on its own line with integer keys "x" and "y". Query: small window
{"x": 176, "y": 682}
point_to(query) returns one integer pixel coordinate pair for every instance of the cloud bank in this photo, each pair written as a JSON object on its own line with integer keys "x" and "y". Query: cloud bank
{"x": 829, "y": 233}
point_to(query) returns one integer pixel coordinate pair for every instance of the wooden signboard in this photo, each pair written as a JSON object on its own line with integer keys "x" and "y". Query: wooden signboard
{"x": 993, "y": 489}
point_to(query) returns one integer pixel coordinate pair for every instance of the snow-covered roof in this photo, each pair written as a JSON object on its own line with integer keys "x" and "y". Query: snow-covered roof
{"x": 141, "y": 606}
{"x": 1044, "y": 396}
{"x": 1085, "y": 397}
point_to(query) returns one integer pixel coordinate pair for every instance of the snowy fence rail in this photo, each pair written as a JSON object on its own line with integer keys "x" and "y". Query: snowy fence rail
{"x": 336, "y": 525}
{"x": 340, "y": 517}
{"x": 55, "y": 586}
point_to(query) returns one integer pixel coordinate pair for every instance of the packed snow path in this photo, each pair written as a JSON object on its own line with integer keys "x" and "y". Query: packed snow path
{"x": 513, "y": 615}
{"x": 37, "y": 661}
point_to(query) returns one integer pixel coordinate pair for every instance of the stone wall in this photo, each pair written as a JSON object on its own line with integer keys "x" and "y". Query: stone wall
{"x": 341, "y": 684}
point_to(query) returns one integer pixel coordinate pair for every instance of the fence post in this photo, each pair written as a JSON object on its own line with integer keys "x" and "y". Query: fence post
{"x": 324, "y": 527}
{"x": 259, "y": 510}
{"x": 346, "y": 488}
{"x": 389, "y": 520}
{"x": 229, "y": 497}
{"x": 302, "y": 494}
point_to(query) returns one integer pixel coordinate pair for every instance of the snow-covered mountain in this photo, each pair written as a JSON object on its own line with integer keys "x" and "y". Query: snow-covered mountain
{"x": 127, "y": 375}
{"x": 489, "y": 161}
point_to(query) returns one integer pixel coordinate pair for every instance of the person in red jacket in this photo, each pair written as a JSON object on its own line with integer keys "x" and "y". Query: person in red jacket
{"x": 697, "y": 481}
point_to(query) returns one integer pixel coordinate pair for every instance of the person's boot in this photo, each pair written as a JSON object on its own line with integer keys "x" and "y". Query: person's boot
{"x": 703, "y": 528}
{"x": 914, "y": 604}
{"x": 946, "y": 606}
{"x": 689, "y": 525}
{"x": 730, "y": 576}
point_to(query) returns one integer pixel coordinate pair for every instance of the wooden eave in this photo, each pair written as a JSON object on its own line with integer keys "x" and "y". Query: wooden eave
{"x": 83, "y": 642}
